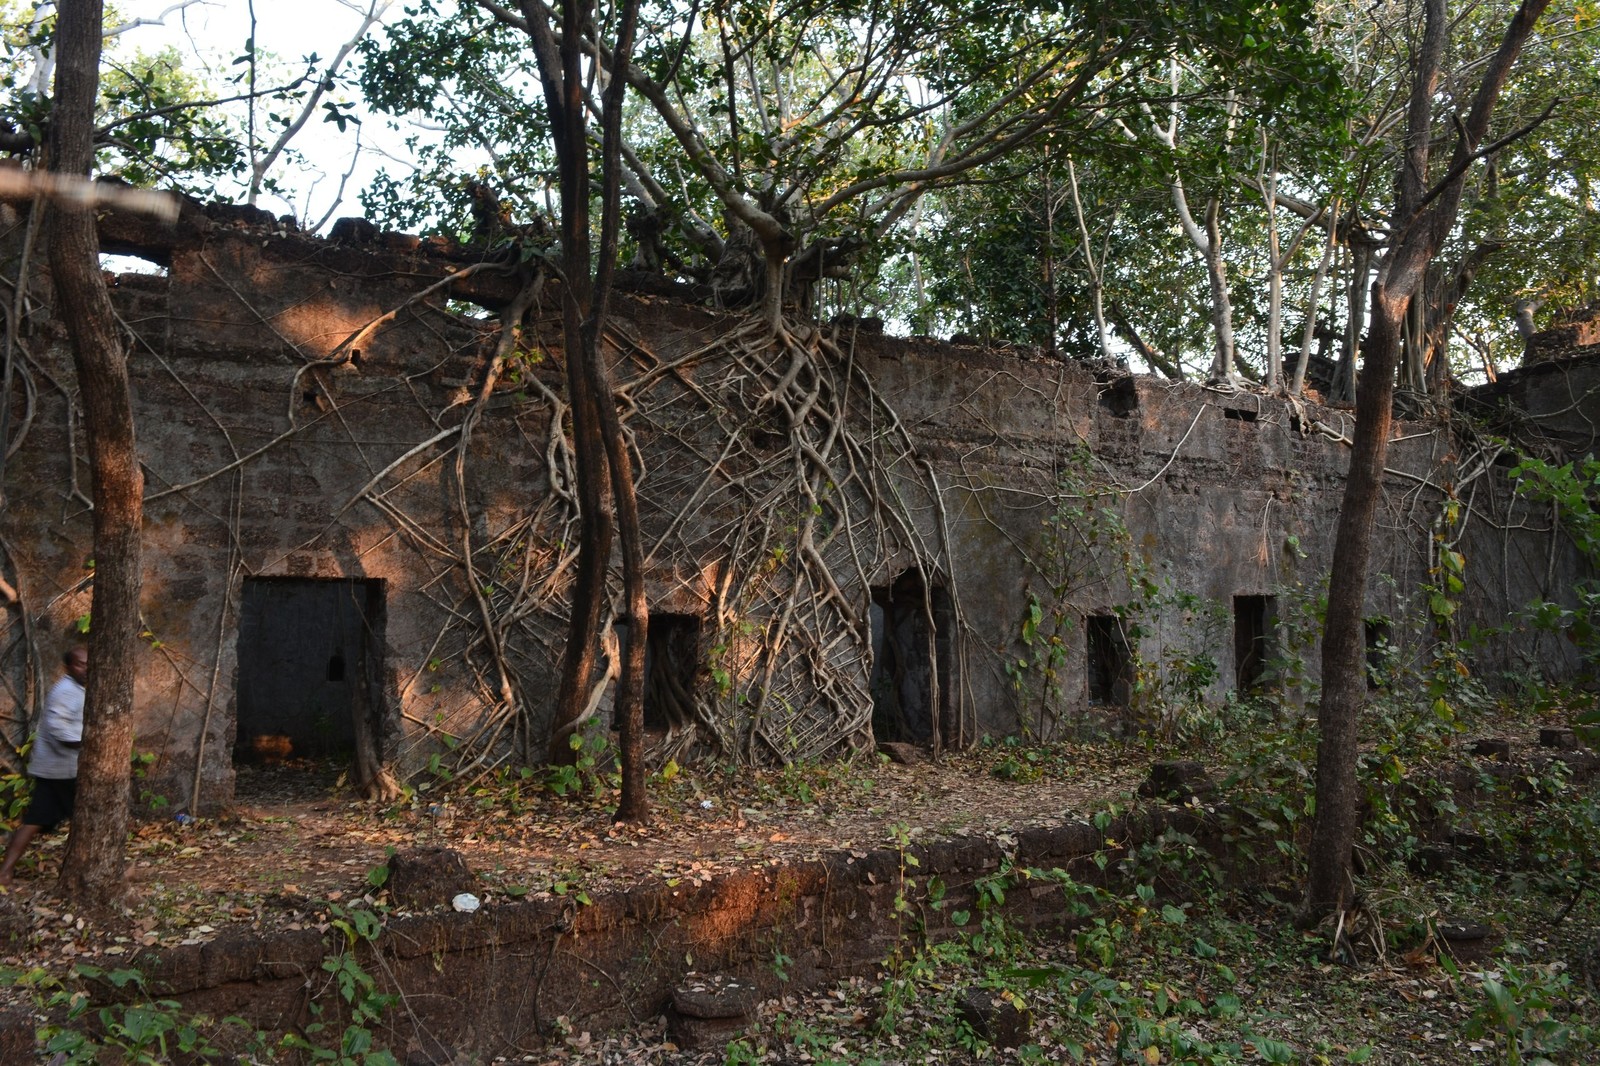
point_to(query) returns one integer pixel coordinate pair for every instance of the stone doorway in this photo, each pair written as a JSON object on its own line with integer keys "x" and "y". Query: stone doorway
{"x": 310, "y": 669}
{"x": 1109, "y": 661}
{"x": 910, "y": 681}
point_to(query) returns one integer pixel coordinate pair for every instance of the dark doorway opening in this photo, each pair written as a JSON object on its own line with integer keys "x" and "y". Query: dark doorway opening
{"x": 1254, "y": 620}
{"x": 671, "y": 662}
{"x": 310, "y": 669}
{"x": 910, "y": 681}
{"x": 1110, "y": 661}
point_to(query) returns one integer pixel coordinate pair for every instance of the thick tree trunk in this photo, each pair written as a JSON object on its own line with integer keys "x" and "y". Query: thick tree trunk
{"x": 1423, "y": 218}
{"x": 1344, "y": 676}
{"x": 92, "y": 871}
{"x": 634, "y": 805}
{"x": 561, "y": 71}
{"x": 596, "y": 532}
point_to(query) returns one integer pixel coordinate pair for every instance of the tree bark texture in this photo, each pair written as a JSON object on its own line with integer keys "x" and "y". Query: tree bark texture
{"x": 92, "y": 871}
{"x": 634, "y": 803}
{"x": 560, "y": 70}
{"x": 1423, "y": 218}
{"x": 604, "y": 467}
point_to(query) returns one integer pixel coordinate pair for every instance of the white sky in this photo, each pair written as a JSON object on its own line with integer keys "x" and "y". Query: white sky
{"x": 212, "y": 33}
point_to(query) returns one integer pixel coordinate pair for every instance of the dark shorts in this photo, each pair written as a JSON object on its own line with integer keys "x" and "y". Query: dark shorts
{"x": 51, "y": 803}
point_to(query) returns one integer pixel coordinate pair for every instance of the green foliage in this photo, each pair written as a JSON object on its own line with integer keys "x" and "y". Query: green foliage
{"x": 1019, "y": 762}
{"x": 1086, "y": 997}
{"x": 149, "y": 799}
{"x": 137, "y": 1032}
{"x": 799, "y": 115}
{"x": 1534, "y": 206}
{"x": 513, "y": 789}
{"x": 435, "y": 67}
{"x": 1176, "y": 667}
{"x": 360, "y": 1004}
{"x": 590, "y": 767}
{"x": 1526, "y": 1010}
{"x": 14, "y": 793}
{"x": 1573, "y": 492}
{"x": 162, "y": 130}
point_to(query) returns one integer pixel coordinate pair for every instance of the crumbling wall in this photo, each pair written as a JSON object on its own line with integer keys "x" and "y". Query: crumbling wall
{"x": 301, "y": 405}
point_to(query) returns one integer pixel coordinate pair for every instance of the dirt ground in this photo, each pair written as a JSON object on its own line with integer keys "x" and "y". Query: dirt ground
{"x": 296, "y": 839}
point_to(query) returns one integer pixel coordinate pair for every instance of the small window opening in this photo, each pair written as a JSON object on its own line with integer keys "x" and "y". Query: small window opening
{"x": 1239, "y": 414}
{"x": 131, "y": 265}
{"x": 1380, "y": 649}
{"x": 910, "y": 680}
{"x": 1110, "y": 661}
{"x": 1120, "y": 397}
{"x": 1253, "y": 644}
{"x": 671, "y": 663}
{"x": 336, "y": 666}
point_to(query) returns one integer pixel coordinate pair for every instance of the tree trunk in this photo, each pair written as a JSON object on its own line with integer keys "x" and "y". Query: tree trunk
{"x": 634, "y": 804}
{"x": 595, "y": 534}
{"x": 604, "y": 468}
{"x": 92, "y": 870}
{"x": 1344, "y": 677}
{"x": 1223, "y": 368}
{"x": 1423, "y": 217}
{"x": 561, "y": 72}
{"x": 1343, "y": 388}
{"x": 1308, "y": 334}
{"x": 1275, "y": 265}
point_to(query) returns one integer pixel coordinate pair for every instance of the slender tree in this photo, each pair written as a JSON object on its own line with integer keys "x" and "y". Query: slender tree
{"x": 92, "y": 872}
{"x": 604, "y": 467}
{"x": 1424, "y": 216}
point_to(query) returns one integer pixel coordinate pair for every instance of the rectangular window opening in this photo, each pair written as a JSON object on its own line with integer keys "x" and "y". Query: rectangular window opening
{"x": 1109, "y": 661}
{"x": 1379, "y": 634}
{"x": 671, "y": 664}
{"x": 1254, "y": 643}
{"x": 1120, "y": 396}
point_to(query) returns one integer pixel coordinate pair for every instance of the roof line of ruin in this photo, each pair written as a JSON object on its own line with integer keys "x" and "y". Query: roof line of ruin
{"x": 357, "y": 246}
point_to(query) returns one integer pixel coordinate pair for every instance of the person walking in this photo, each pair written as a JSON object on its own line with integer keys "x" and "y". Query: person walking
{"x": 53, "y": 763}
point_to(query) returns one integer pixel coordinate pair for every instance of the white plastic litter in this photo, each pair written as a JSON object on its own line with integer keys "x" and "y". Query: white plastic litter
{"x": 466, "y": 903}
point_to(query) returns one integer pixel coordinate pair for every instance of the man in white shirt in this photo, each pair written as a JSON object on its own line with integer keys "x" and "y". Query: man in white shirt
{"x": 53, "y": 763}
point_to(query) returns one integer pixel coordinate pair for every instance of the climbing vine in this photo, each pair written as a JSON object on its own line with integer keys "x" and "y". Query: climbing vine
{"x": 778, "y": 484}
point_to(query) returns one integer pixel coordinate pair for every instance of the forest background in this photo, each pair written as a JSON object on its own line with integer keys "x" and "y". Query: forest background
{"x": 1000, "y": 202}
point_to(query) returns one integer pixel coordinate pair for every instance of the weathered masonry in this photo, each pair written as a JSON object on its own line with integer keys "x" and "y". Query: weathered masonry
{"x": 359, "y": 521}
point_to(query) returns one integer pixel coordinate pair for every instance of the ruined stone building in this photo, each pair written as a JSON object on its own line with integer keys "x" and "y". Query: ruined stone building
{"x": 351, "y": 540}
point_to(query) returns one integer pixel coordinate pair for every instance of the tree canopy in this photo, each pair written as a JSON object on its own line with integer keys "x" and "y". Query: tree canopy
{"x": 1040, "y": 173}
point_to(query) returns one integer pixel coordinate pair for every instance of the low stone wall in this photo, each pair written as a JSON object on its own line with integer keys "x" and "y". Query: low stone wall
{"x": 494, "y": 981}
